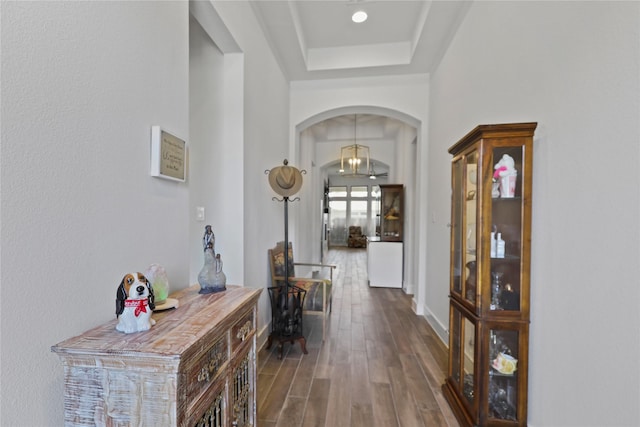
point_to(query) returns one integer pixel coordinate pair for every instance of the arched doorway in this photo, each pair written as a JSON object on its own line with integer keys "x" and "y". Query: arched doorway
{"x": 392, "y": 137}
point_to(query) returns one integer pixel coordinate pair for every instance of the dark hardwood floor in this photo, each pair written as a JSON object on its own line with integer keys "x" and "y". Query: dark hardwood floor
{"x": 381, "y": 365}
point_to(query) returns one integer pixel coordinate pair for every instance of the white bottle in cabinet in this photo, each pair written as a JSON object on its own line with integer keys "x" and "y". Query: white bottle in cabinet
{"x": 499, "y": 246}
{"x": 493, "y": 244}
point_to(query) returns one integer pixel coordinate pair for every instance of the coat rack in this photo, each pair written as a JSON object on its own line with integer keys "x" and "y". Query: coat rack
{"x": 287, "y": 300}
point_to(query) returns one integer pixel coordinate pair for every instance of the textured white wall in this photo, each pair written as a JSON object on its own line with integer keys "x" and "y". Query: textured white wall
{"x": 82, "y": 84}
{"x": 216, "y": 85}
{"x": 574, "y": 68}
{"x": 265, "y": 123}
{"x": 216, "y": 153}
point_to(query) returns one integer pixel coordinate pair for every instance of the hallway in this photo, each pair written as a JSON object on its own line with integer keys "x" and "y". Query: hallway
{"x": 381, "y": 364}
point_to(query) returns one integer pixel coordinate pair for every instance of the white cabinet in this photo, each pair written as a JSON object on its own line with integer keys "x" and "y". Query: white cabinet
{"x": 384, "y": 263}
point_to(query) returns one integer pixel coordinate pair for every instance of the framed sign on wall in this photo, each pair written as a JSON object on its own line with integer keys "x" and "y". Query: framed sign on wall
{"x": 168, "y": 155}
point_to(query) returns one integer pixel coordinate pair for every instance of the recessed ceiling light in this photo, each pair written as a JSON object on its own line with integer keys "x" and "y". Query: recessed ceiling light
{"x": 359, "y": 16}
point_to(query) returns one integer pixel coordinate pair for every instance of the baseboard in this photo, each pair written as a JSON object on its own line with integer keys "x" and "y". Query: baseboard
{"x": 263, "y": 335}
{"x": 441, "y": 330}
{"x": 414, "y": 306}
{"x": 408, "y": 288}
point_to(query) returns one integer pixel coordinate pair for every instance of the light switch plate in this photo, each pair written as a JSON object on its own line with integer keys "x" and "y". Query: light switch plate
{"x": 200, "y": 213}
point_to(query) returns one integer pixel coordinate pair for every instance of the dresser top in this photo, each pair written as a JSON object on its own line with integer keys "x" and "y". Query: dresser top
{"x": 175, "y": 330}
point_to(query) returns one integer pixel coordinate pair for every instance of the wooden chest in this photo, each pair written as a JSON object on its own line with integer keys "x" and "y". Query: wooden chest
{"x": 195, "y": 367}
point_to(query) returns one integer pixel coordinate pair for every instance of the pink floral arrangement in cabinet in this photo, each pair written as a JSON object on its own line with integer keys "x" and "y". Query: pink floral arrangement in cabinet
{"x": 505, "y": 174}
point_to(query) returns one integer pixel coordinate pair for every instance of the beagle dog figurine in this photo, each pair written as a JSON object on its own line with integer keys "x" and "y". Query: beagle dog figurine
{"x": 134, "y": 304}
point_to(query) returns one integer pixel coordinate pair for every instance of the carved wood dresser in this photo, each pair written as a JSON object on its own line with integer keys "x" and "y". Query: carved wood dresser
{"x": 195, "y": 367}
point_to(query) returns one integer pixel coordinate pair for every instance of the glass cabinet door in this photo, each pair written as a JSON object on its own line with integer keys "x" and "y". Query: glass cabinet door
{"x": 504, "y": 347}
{"x": 457, "y": 220}
{"x": 391, "y": 212}
{"x": 462, "y": 341}
{"x": 455, "y": 344}
{"x": 464, "y": 232}
{"x": 470, "y": 227}
{"x": 506, "y": 237}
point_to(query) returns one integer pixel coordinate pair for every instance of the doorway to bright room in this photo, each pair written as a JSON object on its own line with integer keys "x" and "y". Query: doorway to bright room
{"x": 353, "y": 205}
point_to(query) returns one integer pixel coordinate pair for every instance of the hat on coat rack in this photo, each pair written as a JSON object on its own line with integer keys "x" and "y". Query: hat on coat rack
{"x": 285, "y": 180}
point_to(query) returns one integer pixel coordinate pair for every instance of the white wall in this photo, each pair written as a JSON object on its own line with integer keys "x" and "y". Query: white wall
{"x": 574, "y": 68}
{"x": 265, "y": 142}
{"x": 82, "y": 84}
{"x": 206, "y": 104}
{"x": 217, "y": 146}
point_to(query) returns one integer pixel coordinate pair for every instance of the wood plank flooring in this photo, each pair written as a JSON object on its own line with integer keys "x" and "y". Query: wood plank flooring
{"x": 381, "y": 365}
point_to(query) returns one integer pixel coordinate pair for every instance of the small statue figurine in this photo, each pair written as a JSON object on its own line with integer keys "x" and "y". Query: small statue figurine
{"x": 211, "y": 277}
{"x": 209, "y": 238}
{"x": 134, "y": 304}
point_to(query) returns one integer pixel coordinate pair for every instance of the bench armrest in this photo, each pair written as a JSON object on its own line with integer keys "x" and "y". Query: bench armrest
{"x": 311, "y": 264}
{"x": 300, "y": 279}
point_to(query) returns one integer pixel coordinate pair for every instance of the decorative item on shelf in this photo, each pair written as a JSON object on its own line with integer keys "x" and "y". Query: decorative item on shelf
{"x": 209, "y": 238}
{"x": 157, "y": 276}
{"x": 500, "y": 246}
{"x": 471, "y": 280}
{"x": 495, "y": 189}
{"x": 471, "y": 238}
{"x": 509, "y": 299}
{"x": 134, "y": 303}
{"x": 392, "y": 214}
{"x": 472, "y": 174}
{"x": 496, "y": 289}
{"x": 505, "y": 364}
{"x": 493, "y": 244}
{"x": 501, "y": 403}
{"x": 505, "y": 173}
{"x": 211, "y": 277}
{"x": 220, "y": 279}
{"x": 493, "y": 345}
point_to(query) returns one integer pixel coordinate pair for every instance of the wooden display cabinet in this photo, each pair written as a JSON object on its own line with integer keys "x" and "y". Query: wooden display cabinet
{"x": 486, "y": 383}
{"x": 391, "y": 212}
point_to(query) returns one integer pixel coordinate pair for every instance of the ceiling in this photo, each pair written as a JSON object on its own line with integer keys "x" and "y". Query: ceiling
{"x": 317, "y": 39}
{"x": 314, "y": 40}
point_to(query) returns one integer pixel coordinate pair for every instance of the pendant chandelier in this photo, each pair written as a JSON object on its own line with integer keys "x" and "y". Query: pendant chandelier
{"x": 355, "y": 157}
